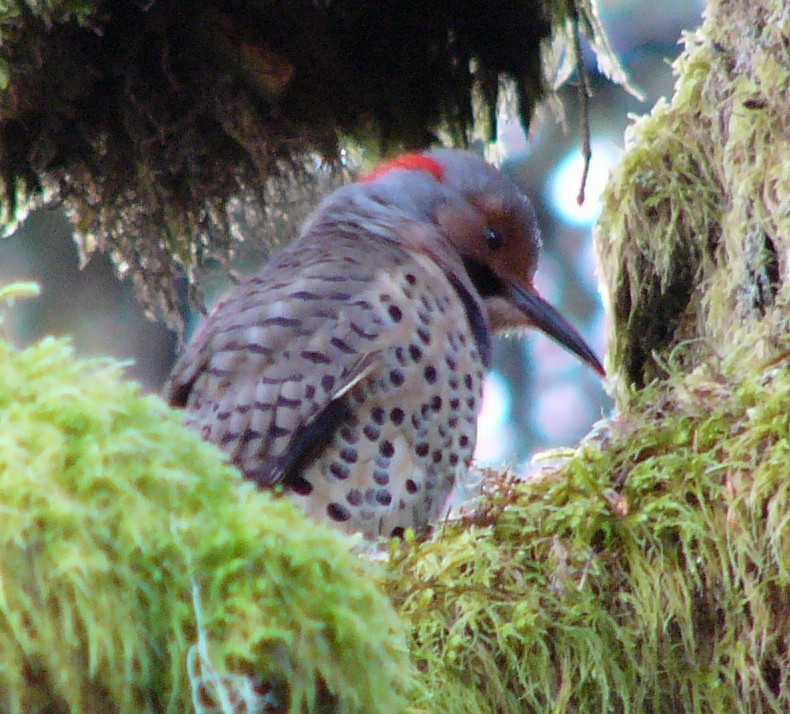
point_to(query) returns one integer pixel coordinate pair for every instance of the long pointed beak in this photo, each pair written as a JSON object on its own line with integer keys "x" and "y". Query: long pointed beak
{"x": 548, "y": 319}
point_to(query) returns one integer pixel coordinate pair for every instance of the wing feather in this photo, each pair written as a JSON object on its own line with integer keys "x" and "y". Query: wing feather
{"x": 268, "y": 374}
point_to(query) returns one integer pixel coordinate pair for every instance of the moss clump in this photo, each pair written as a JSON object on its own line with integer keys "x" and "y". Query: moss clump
{"x": 695, "y": 232}
{"x": 649, "y": 573}
{"x": 126, "y": 544}
{"x": 172, "y": 129}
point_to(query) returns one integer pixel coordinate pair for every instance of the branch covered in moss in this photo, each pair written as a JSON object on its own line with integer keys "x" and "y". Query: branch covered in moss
{"x": 139, "y": 573}
{"x": 695, "y": 235}
{"x": 651, "y": 572}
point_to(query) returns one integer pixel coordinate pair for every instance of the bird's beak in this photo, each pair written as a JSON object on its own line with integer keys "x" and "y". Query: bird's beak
{"x": 549, "y": 320}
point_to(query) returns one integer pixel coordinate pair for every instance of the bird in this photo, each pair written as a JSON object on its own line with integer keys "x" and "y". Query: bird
{"x": 347, "y": 372}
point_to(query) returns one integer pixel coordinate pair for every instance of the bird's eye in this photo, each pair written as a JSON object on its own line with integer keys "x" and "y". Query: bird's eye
{"x": 495, "y": 240}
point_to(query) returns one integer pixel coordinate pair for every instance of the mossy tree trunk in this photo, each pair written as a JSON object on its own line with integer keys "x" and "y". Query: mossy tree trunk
{"x": 695, "y": 236}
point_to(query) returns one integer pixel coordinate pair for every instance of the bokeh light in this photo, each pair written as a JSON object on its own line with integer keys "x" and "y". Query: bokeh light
{"x": 565, "y": 180}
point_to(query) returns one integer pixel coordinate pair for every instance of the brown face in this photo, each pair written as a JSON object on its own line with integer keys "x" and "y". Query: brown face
{"x": 492, "y": 227}
{"x": 501, "y": 256}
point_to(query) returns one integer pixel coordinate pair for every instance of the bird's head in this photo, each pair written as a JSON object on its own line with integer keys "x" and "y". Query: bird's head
{"x": 491, "y": 226}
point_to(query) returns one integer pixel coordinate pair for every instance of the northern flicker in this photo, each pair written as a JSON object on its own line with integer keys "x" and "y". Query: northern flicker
{"x": 349, "y": 369}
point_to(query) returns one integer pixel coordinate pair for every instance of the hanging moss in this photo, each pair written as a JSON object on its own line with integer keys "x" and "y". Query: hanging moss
{"x": 170, "y": 130}
{"x": 140, "y": 574}
{"x": 649, "y": 573}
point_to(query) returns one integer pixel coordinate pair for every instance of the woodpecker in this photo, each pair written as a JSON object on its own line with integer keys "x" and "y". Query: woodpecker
{"x": 348, "y": 370}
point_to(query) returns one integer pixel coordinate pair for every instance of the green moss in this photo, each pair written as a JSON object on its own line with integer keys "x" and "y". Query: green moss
{"x": 118, "y": 527}
{"x": 696, "y": 224}
{"x": 649, "y": 573}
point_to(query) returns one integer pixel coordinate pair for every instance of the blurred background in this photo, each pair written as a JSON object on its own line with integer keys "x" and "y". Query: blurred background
{"x": 537, "y": 396}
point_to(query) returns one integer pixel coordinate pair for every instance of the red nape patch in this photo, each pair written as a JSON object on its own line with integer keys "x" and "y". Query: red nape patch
{"x": 409, "y": 162}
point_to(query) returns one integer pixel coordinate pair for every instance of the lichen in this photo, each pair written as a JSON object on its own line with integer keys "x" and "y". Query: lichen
{"x": 128, "y": 548}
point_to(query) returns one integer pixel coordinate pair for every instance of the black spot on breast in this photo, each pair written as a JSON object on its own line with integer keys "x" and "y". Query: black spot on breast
{"x": 338, "y": 512}
{"x": 412, "y": 486}
{"x": 397, "y": 378}
{"x": 354, "y": 497}
{"x": 377, "y": 415}
{"x": 386, "y": 449}
{"x": 358, "y": 394}
{"x": 383, "y": 497}
{"x": 395, "y": 313}
{"x": 371, "y": 432}
{"x": 396, "y": 416}
{"x": 349, "y": 455}
{"x": 339, "y": 471}
{"x": 349, "y": 435}
{"x": 422, "y": 449}
{"x": 430, "y": 374}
